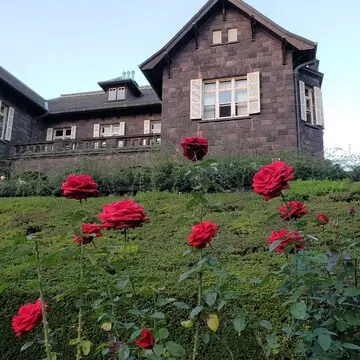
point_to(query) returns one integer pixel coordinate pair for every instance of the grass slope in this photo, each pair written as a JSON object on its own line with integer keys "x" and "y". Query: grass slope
{"x": 244, "y": 219}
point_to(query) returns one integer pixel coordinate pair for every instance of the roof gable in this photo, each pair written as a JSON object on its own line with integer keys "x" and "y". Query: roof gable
{"x": 152, "y": 67}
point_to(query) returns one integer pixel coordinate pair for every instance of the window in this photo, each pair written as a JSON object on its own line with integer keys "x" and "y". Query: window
{"x": 116, "y": 94}
{"x": 3, "y": 120}
{"x": 310, "y": 105}
{"x": 62, "y": 134}
{"x": 217, "y": 37}
{"x": 156, "y": 128}
{"x": 232, "y": 35}
{"x": 225, "y": 98}
{"x": 110, "y": 130}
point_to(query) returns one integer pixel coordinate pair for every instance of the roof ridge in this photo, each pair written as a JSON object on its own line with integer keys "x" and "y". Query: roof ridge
{"x": 80, "y": 94}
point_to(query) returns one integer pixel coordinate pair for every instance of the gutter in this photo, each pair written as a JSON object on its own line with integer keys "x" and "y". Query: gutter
{"x": 297, "y": 99}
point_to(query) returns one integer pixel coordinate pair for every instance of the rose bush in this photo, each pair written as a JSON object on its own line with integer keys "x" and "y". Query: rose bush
{"x": 79, "y": 187}
{"x": 285, "y": 239}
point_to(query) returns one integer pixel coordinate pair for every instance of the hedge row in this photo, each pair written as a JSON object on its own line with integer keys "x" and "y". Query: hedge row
{"x": 231, "y": 174}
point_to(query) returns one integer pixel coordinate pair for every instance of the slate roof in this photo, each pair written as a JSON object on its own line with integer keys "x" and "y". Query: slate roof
{"x": 97, "y": 100}
{"x": 21, "y": 88}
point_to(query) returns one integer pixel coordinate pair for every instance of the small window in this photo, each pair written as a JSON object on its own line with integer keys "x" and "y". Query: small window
{"x": 120, "y": 93}
{"x": 310, "y": 105}
{"x": 110, "y": 130}
{"x": 217, "y": 37}
{"x": 232, "y": 35}
{"x": 112, "y": 94}
{"x": 62, "y": 134}
{"x": 156, "y": 128}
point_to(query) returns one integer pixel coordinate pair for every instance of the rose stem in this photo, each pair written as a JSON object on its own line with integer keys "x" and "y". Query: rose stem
{"x": 43, "y": 305}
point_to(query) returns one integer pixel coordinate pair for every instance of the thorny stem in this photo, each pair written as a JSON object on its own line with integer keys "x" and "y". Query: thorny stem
{"x": 127, "y": 264}
{"x": 196, "y": 341}
{"x": 284, "y": 199}
{"x": 43, "y": 304}
{"x": 356, "y": 272}
{"x": 78, "y": 346}
{"x": 226, "y": 345}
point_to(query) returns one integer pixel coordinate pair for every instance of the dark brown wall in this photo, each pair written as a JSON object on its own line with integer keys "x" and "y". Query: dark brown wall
{"x": 273, "y": 129}
{"x": 25, "y": 127}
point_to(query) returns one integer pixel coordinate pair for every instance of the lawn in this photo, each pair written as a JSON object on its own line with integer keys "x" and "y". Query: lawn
{"x": 157, "y": 248}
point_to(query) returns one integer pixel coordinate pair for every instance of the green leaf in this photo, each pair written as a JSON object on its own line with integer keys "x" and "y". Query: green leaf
{"x": 352, "y": 292}
{"x": 165, "y": 301}
{"x": 163, "y": 333}
{"x": 122, "y": 282}
{"x": 73, "y": 342}
{"x": 266, "y": 324}
{"x": 320, "y": 259}
{"x": 135, "y": 334}
{"x": 27, "y": 345}
{"x": 196, "y": 311}
{"x": 210, "y": 298}
{"x": 352, "y": 320}
{"x": 159, "y": 350}
{"x": 191, "y": 203}
{"x": 299, "y": 311}
{"x": 341, "y": 325}
{"x": 239, "y": 322}
{"x": 124, "y": 353}
{"x": 213, "y": 322}
{"x": 206, "y": 338}
{"x": 175, "y": 349}
{"x": 181, "y": 305}
{"x": 272, "y": 340}
{"x": 221, "y": 305}
{"x": 86, "y": 347}
{"x": 351, "y": 346}
{"x": 184, "y": 276}
{"x": 324, "y": 341}
{"x": 274, "y": 245}
{"x": 158, "y": 315}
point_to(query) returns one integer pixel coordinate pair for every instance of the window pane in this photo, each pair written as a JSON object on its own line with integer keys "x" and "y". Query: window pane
{"x": 225, "y": 97}
{"x": 225, "y": 85}
{"x": 241, "y": 109}
{"x": 217, "y": 37}
{"x": 116, "y": 130}
{"x": 209, "y": 112}
{"x": 121, "y": 93}
{"x": 241, "y": 95}
{"x": 68, "y": 132}
{"x": 232, "y": 35}
{"x": 242, "y": 84}
{"x": 209, "y": 99}
{"x": 225, "y": 111}
{"x": 58, "y": 133}
{"x": 210, "y": 87}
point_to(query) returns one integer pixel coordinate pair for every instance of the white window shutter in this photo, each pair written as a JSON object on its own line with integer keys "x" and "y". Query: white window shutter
{"x": 9, "y": 124}
{"x": 196, "y": 99}
{"x": 96, "y": 132}
{"x": 73, "y": 132}
{"x": 122, "y": 128}
{"x": 253, "y": 83}
{"x": 0, "y": 105}
{"x": 319, "y": 110}
{"x": 302, "y": 101}
{"x": 146, "y": 126}
{"x": 49, "y": 134}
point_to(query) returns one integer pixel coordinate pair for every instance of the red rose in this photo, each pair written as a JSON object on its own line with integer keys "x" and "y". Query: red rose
{"x": 273, "y": 178}
{"x": 195, "y": 147}
{"x": 90, "y": 231}
{"x": 146, "y": 341}
{"x": 352, "y": 211}
{"x": 294, "y": 210}
{"x": 287, "y": 238}
{"x": 202, "y": 234}
{"x": 322, "y": 219}
{"x": 29, "y": 316}
{"x": 79, "y": 187}
{"x": 122, "y": 215}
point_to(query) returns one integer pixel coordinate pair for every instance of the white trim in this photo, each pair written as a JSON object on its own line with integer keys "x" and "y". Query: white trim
{"x": 302, "y": 100}
{"x": 253, "y": 92}
{"x": 96, "y": 132}
{"x": 196, "y": 99}
{"x": 146, "y": 126}
{"x": 49, "y": 134}
{"x": 9, "y": 124}
{"x": 319, "y": 108}
{"x": 73, "y": 132}
{"x": 122, "y": 128}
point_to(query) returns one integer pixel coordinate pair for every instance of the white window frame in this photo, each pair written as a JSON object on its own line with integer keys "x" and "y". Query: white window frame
{"x": 120, "y": 93}
{"x": 112, "y": 94}
{"x": 310, "y": 105}
{"x": 232, "y": 35}
{"x": 64, "y": 136}
{"x": 217, "y": 37}
{"x": 153, "y": 129}
{"x": 111, "y": 127}
{"x": 3, "y": 119}
{"x": 217, "y": 97}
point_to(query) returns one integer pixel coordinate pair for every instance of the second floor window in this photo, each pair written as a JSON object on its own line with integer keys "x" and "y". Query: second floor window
{"x": 310, "y": 105}
{"x": 225, "y": 98}
{"x": 62, "y": 134}
{"x": 116, "y": 94}
{"x": 110, "y": 130}
{"x": 156, "y": 128}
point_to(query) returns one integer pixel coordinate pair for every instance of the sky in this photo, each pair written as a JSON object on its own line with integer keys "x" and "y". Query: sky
{"x": 59, "y": 47}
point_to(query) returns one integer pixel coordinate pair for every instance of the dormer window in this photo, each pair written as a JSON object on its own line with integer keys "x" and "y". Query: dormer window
{"x": 116, "y": 94}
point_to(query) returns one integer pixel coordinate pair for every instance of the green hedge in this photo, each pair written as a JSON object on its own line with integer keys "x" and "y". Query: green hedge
{"x": 231, "y": 173}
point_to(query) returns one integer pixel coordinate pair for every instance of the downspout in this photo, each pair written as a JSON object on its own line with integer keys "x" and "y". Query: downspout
{"x": 297, "y": 99}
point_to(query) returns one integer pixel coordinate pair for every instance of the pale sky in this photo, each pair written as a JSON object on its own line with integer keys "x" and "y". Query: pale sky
{"x": 67, "y": 46}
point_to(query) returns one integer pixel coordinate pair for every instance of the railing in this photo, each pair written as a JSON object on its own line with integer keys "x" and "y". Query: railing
{"x": 119, "y": 143}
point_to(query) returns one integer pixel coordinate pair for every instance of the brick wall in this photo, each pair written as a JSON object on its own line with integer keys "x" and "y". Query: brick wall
{"x": 273, "y": 129}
